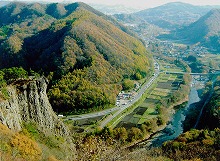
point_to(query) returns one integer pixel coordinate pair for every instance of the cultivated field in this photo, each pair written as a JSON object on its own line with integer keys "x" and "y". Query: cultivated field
{"x": 147, "y": 110}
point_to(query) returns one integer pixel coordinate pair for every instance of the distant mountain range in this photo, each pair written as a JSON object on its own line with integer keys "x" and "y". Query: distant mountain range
{"x": 191, "y": 24}
{"x": 169, "y": 16}
{"x": 173, "y": 15}
{"x": 205, "y": 31}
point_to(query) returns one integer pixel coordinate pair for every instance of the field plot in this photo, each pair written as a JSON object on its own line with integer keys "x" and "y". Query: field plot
{"x": 149, "y": 101}
{"x": 170, "y": 66}
{"x": 90, "y": 121}
{"x": 179, "y": 78}
{"x": 149, "y": 114}
{"x": 127, "y": 125}
{"x": 172, "y": 78}
{"x": 164, "y": 78}
{"x": 128, "y": 121}
{"x": 166, "y": 85}
{"x": 140, "y": 110}
{"x": 160, "y": 93}
{"x": 162, "y": 90}
{"x": 84, "y": 125}
{"x": 175, "y": 69}
{"x": 156, "y": 97}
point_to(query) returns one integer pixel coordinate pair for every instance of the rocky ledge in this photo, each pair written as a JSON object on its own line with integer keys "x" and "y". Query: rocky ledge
{"x": 28, "y": 101}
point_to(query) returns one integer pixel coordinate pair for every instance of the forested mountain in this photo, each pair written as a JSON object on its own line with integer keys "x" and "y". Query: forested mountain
{"x": 173, "y": 15}
{"x": 205, "y": 31}
{"x": 81, "y": 49}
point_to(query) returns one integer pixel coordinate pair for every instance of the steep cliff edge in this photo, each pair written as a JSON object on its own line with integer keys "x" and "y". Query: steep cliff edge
{"x": 28, "y": 101}
{"x": 36, "y": 132}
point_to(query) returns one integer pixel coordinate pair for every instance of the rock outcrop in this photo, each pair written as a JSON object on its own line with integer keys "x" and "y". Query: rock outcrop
{"x": 28, "y": 101}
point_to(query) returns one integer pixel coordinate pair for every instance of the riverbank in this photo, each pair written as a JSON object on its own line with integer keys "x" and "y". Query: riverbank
{"x": 148, "y": 138}
{"x": 175, "y": 127}
{"x": 196, "y": 112}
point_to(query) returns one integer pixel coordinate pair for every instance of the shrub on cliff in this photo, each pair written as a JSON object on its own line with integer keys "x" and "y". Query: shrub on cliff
{"x": 26, "y": 147}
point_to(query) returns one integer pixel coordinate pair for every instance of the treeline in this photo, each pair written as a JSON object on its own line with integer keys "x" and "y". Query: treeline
{"x": 182, "y": 64}
{"x": 126, "y": 136}
{"x": 11, "y": 75}
{"x": 194, "y": 144}
{"x": 76, "y": 94}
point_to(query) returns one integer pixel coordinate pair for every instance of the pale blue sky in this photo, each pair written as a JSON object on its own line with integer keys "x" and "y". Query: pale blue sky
{"x": 138, "y": 3}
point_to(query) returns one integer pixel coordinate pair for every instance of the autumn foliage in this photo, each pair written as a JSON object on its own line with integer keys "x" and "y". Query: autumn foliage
{"x": 27, "y": 148}
{"x": 18, "y": 145}
{"x": 85, "y": 54}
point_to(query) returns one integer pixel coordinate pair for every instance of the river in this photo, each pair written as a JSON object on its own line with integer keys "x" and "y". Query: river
{"x": 174, "y": 127}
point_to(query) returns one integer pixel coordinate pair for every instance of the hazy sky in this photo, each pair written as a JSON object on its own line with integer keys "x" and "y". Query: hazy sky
{"x": 139, "y": 3}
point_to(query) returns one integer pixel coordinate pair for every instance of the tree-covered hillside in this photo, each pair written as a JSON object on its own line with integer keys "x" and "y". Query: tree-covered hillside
{"x": 82, "y": 52}
{"x": 211, "y": 115}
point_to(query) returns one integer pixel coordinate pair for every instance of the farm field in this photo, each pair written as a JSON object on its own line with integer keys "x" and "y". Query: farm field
{"x": 169, "y": 66}
{"x": 83, "y": 125}
{"x": 147, "y": 110}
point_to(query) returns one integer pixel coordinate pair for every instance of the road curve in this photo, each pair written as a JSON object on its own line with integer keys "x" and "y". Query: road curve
{"x": 118, "y": 109}
{"x": 137, "y": 97}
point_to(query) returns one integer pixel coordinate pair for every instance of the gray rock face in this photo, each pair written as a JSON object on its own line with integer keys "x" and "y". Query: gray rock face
{"x": 28, "y": 101}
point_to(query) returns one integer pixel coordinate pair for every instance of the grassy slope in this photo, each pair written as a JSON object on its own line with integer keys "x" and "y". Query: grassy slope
{"x": 31, "y": 144}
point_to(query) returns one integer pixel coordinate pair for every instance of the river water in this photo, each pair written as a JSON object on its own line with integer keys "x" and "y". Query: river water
{"x": 175, "y": 127}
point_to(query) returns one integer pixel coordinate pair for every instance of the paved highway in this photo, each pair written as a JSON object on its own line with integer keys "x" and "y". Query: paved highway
{"x": 137, "y": 97}
{"x": 171, "y": 72}
{"x": 121, "y": 108}
{"x": 92, "y": 115}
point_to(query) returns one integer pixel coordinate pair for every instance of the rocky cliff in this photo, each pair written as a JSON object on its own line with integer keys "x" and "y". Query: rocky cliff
{"x": 28, "y": 101}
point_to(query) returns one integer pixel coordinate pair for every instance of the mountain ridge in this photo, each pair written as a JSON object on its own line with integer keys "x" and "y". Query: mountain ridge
{"x": 173, "y": 15}
{"x": 170, "y": 16}
{"x": 74, "y": 39}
